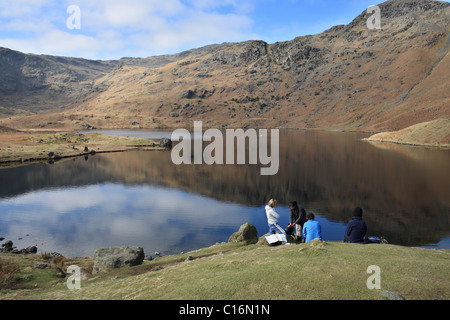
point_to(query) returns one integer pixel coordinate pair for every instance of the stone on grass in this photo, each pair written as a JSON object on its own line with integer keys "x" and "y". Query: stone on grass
{"x": 247, "y": 234}
{"x": 392, "y": 295}
{"x": 118, "y": 257}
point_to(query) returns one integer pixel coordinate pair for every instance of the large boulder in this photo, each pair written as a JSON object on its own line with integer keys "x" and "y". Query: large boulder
{"x": 247, "y": 234}
{"x": 118, "y": 257}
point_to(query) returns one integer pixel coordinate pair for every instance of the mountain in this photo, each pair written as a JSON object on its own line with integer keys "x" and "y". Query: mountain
{"x": 348, "y": 77}
{"x": 33, "y": 82}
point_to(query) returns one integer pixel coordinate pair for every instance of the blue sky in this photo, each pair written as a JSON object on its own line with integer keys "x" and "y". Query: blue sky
{"x": 111, "y": 29}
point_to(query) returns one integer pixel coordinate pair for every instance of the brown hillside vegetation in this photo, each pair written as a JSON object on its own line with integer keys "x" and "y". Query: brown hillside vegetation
{"x": 434, "y": 133}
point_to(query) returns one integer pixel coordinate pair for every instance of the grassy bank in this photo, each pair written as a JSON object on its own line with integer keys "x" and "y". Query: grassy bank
{"x": 317, "y": 270}
{"x": 20, "y": 147}
{"x": 434, "y": 133}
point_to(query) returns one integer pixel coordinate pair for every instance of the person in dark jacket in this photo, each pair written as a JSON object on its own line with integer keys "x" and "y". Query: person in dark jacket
{"x": 297, "y": 217}
{"x": 356, "y": 228}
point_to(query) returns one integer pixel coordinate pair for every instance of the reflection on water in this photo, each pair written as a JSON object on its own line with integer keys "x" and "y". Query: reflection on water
{"x": 141, "y": 198}
{"x": 81, "y": 220}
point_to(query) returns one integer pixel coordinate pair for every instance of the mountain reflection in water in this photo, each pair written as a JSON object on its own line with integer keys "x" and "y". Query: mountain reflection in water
{"x": 141, "y": 198}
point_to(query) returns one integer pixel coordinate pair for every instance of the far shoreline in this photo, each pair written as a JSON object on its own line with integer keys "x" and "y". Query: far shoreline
{"x": 18, "y": 148}
{"x": 26, "y": 147}
{"x": 433, "y": 134}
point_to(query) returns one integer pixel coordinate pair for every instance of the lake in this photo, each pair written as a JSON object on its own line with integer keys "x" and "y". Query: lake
{"x": 141, "y": 198}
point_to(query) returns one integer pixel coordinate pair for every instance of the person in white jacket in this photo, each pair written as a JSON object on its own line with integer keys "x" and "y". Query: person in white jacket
{"x": 272, "y": 218}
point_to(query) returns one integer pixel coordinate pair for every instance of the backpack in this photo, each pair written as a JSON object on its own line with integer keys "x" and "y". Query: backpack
{"x": 290, "y": 230}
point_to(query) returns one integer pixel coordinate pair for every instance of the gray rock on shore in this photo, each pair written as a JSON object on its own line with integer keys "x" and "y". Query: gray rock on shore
{"x": 165, "y": 143}
{"x": 118, "y": 257}
{"x": 247, "y": 233}
{"x": 8, "y": 247}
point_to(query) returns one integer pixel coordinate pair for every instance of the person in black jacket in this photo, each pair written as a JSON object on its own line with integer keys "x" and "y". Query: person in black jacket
{"x": 356, "y": 228}
{"x": 297, "y": 217}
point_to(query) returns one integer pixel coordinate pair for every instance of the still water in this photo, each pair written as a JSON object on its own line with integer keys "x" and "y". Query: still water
{"x": 140, "y": 198}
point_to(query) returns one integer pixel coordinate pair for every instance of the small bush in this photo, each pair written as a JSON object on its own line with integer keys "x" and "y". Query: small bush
{"x": 7, "y": 273}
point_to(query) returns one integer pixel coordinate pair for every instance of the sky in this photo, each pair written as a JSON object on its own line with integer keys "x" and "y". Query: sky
{"x": 112, "y": 29}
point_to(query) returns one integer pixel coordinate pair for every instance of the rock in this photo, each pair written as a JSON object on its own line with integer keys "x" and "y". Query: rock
{"x": 41, "y": 266}
{"x": 392, "y": 295}
{"x": 53, "y": 156}
{"x": 31, "y": 249}
{"x": 55, "y": 254}
{"x": 88, "y": 126}
{"x": 165, "y": 143}
{"x": 244, "y": 53}
{"x": 247, "y": 233}
{"x": 117, "y": 257}
{"x": 8, "y": 246}
{"x": 189, "y": 94}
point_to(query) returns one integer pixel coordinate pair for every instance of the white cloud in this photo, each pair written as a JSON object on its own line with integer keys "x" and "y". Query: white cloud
{"x": 62, "y": 43}
{"x": 77, "y": 221}
{"x": 117, "y": 28}
{"x": 196, "y": 30}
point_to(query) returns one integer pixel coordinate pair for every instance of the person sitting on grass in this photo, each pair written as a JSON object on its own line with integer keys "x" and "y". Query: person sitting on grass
{"x": 311, "y": 229}
{"x": 356, "y": 228}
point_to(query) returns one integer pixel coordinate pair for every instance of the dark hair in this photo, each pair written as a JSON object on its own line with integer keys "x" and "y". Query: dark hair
{"x": 293, "y": 204}
{"x": 310, "y": 216}
{"x": 358, "y": 212}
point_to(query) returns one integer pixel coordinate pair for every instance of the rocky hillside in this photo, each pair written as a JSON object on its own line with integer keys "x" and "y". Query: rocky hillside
{"x": 348, "y": 77}
{"x": 32, "y": 83}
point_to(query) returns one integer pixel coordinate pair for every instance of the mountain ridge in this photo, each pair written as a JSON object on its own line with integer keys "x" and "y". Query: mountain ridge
{"x": 347, "y": 77}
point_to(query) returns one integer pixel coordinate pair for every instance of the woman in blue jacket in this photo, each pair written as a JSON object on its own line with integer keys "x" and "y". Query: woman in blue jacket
{"x": 311, "y": 228}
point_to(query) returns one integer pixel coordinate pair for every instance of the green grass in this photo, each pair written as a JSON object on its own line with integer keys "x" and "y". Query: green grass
{"x": 328, "y": 270}
{"x": 18, "y": 272}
